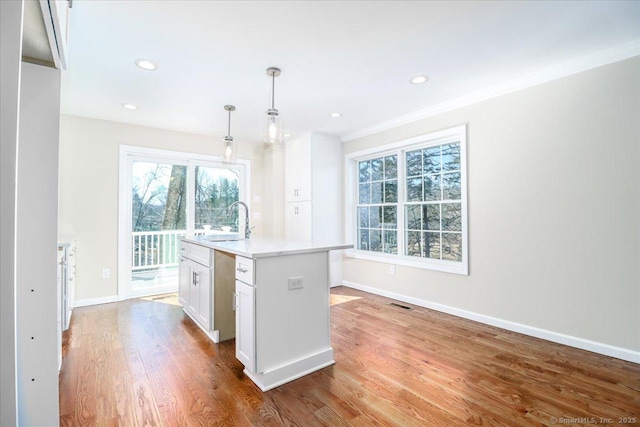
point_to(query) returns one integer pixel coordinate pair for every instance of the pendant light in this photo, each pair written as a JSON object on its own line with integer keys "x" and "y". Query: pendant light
{"x": 229, "y": 144}
{"x": 274, "y": 132}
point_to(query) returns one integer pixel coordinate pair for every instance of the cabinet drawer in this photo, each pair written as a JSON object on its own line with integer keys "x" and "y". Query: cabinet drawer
{"x": 200, "y": 254}
{"x": 184, "y": 248}
{"x": 244, "y": 270}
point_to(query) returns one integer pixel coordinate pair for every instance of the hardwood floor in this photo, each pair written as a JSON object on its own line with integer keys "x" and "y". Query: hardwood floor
{"x": 144, "y": 363}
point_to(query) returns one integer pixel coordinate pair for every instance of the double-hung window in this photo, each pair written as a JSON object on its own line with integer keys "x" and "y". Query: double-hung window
{"x": 408, "y": 202}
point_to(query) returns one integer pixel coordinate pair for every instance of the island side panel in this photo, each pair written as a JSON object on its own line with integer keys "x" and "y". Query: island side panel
{"x": 223, "y": 289}
{"x": 291, "y": 323}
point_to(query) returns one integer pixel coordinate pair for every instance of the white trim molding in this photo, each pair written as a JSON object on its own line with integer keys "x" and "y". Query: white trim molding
{"x": 599, "y": 59}
{"x": 95, "y": 301}
{"x": 571, "y": 341}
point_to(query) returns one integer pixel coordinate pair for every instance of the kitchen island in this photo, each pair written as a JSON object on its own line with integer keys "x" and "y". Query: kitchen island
{"x": 281, "y": 302}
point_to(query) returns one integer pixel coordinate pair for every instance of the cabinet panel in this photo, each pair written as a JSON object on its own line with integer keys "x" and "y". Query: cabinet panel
{"x": 245, "y": 325}
{"x": 298, "y": 169}
{"x": 203, "y": 279}
{"x": 184, "y": 282}
{"x": 193, "y": 305}
{"x": 298, "y": 217}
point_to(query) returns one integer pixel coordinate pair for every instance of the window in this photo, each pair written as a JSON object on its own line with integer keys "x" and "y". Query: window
{"x": 409, "y": 202}
{"x": 377, "y": 204}
{"x": 433, "y": 206}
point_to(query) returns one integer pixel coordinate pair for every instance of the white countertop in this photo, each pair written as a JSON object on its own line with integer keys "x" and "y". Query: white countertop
{"x": 261, "y": 247}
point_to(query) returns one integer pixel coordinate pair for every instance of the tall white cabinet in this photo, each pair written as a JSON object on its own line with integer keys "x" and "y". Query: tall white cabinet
{"x": 314, "y": 193}
{"x": 36, "y": 266}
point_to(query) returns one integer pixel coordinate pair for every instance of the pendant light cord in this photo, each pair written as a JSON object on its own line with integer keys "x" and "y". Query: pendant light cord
{"x": 229, "y": 127}
{"x": 273, "y": 89}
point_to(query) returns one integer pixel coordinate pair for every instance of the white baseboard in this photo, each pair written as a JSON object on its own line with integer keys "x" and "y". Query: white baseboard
{"x": 94, "y": 301}
{"x": 116, "y": 298}
{"x": 293, "y": 370}
{"x": 581, "y": 343}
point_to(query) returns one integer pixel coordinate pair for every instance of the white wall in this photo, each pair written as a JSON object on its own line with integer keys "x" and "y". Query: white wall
{"x": 554, "y": 210}
{"x": 88, "y": 191}
{"x": 36, "y": 246}
{"x": 10, "y": 49}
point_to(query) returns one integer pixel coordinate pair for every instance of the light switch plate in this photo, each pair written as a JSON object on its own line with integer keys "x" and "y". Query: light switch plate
{"x": 295, "y": 282}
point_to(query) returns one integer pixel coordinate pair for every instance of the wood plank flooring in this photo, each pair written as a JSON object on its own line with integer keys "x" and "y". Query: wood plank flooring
{"x": 144, "y": 363}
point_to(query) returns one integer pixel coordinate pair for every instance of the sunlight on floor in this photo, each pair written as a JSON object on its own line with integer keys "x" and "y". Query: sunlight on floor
{"x": 165, "y": 298}
{"x": 173, "y": 299}
{"x": 339, "y": 299}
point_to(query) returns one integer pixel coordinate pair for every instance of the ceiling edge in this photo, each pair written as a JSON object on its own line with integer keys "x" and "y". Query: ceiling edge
{"x": 609, "y": 56}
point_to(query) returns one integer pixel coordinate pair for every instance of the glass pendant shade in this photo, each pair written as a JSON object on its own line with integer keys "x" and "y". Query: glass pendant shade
{"x": 273, "y": 127}
{"x": 230, "y": 149}
{"x": 229, "y": 153}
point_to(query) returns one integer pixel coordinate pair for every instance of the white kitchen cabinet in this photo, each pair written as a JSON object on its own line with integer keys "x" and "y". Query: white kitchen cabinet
{"x": 282, "y": 316}
{"x": 298, "y": 220}
{"x": 184, "y": 282}
{"x": 245, "y": 325}
{"x": 314, "y": 193}
{"x": 59, "y": 298}
{"x": 193, "y": 305}
{"x": 64, "y": 291}
{"x": 298, "y": 169}
{"x": 67, "y": 277}
{"x": 197, "y": 281}
{"x": 204, "y": 306}
{"x": 205, "y": 290}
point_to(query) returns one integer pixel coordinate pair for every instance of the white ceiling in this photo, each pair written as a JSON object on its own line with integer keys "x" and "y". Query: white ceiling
{"x": 355, "y": 58}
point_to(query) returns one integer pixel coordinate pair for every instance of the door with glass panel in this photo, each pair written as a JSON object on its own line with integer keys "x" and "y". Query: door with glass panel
{"x": 158, "y": 220}
{"x": 164, "y": 199}
{"x": 216, "y": 187}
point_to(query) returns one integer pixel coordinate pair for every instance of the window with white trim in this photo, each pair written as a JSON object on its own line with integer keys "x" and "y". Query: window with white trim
{"x": 409, "y": 202}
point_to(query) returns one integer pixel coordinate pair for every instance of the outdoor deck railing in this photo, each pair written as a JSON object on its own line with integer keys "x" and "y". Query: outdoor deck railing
{"x": 155, "y": 249}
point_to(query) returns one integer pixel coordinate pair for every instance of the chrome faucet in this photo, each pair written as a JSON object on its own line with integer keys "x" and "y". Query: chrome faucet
{"x": 247, "y": 229}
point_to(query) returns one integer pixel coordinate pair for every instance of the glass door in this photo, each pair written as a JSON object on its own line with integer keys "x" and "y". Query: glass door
{"x": 216, "y": 188}
{"x": 164, "y": 196}
{"x": 158, "y": 220}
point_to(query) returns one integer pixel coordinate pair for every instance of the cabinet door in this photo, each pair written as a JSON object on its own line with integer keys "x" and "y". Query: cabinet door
{"x": 245, "y": 325}
{"x": 203, "y": 281}
{"x": 298, "y": 169}
{"x": 298, "y": 225}
{"x": 184, "y": 282}
{"x": 194, "y": 292}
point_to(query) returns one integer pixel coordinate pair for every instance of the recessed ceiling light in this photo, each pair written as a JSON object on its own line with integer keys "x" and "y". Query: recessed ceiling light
{"x": 130, "y": 106}
{"x": 335, "y": 115}
{"x": 287, "y": 135}
{"x": 419, "y": 79}
{"x": 145, "y": 64}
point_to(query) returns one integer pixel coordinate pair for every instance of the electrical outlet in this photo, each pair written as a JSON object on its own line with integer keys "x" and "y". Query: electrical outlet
{"x": 106, "y": 273}
{"x": 392, "y": 270}
{"x": 295, "y": 282}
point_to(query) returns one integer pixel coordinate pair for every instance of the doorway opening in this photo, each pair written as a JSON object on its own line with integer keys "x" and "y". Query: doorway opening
{"x": 164, "y": 196}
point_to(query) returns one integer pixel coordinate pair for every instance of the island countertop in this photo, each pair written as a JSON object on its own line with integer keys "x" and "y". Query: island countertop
{"x": 262, "y": 247}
